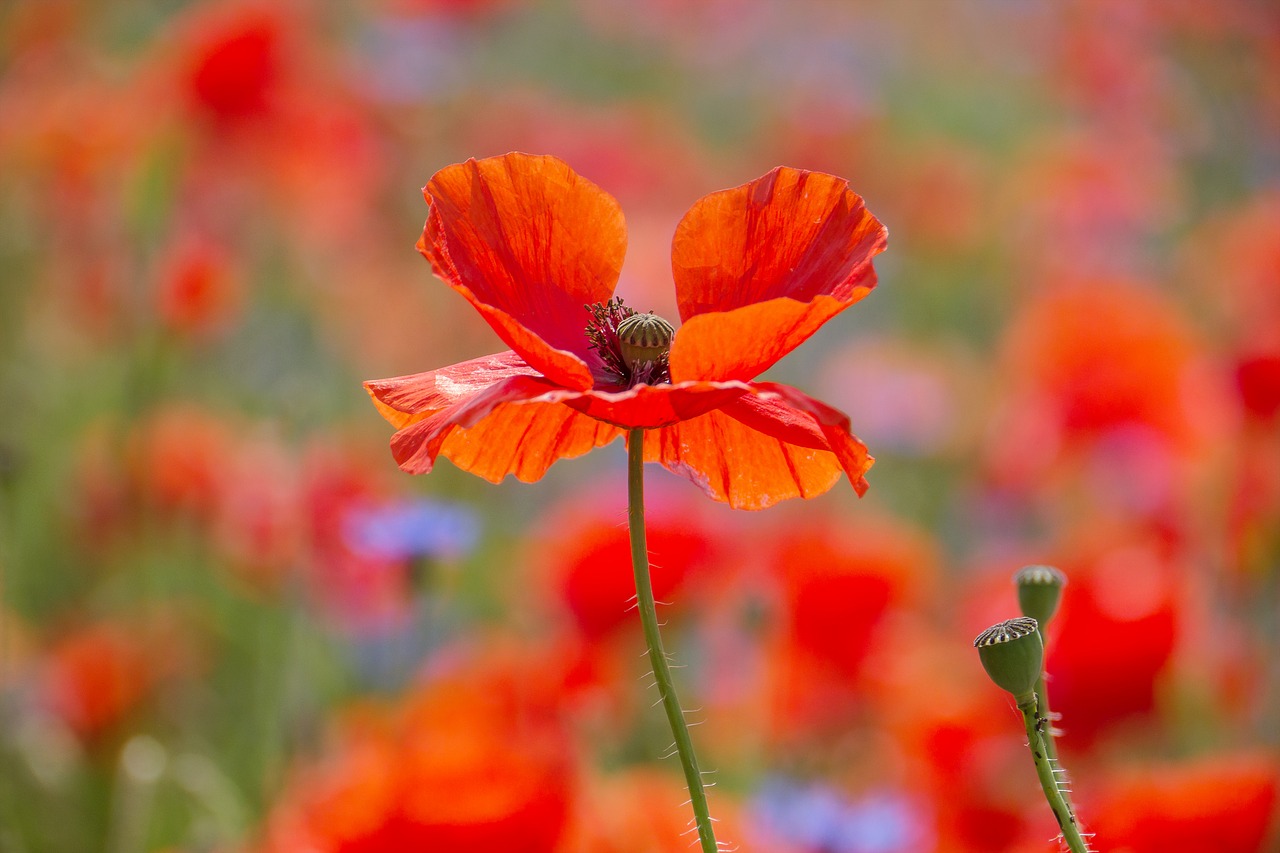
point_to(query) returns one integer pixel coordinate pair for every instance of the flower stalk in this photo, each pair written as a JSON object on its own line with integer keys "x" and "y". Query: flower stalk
{"x": 1050, "y": 733}
{"x": 1012, "y": 653}
{"x": 1039, "y": 595}
{"x": 1045, "y": 771}
{"x": 653, "y": 639}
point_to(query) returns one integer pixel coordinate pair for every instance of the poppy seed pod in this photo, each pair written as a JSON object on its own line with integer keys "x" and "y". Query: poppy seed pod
{"x": 1039, "y": 592}
{"x": 644, "y": 338}
{"x": 1012, "y": 653}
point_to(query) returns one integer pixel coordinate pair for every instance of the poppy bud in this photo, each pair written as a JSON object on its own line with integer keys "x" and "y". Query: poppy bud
{"x": 644, "y": 338}
{"x": 1012, "y": 653}
{"x": 1039, "y": 592}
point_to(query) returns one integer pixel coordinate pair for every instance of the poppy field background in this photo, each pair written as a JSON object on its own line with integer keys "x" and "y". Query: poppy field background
{"x": 229, "y": 623}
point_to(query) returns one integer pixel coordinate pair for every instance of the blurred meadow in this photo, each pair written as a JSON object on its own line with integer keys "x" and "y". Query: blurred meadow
{"x": 228, "y": 622}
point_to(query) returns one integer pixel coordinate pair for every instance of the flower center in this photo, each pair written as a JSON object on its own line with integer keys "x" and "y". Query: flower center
{"x": 644, "y": 338}
{"x": 632, "y": 346}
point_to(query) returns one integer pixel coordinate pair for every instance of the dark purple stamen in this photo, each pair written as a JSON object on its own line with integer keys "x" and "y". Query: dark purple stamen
{"x": 602, "y": 336}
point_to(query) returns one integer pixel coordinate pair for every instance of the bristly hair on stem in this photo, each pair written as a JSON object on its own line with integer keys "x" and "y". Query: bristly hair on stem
{"x": 647, "y": 607}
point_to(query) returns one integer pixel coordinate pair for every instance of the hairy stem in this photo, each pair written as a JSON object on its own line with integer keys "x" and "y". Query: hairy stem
{"x": 1048, "y": 781}
{"x": 657, "y": 656}
{"x": 1047, "y": 714}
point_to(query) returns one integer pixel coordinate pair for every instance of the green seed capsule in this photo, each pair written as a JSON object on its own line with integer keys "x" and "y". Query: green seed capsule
{"x": 644, "y": 338}
{"x": 1039, "y": 592}
{"x": 1012, "y": 653}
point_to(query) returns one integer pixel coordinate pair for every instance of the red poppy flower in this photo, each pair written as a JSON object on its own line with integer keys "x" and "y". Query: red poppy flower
{"x": 1225, "y": 803}
{"x": 96, "y": 676}
{"x": 591, "y": 562}
{"x": 1121, "y": 618}
{"x": 537, "y": 250}
{"x": 235, "y": 63}
{"x": 477, "y": 758}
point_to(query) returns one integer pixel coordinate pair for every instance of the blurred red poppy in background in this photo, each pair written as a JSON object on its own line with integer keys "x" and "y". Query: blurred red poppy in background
{"x": 838, "y": 586}
{"x": 474, "y": 759}
{"x": 1223, "y": 803}
{"x": 590, "y": 559}
{"x": 1105, "y": 354}
{"x": 639, "y": 811}
{"x": 197, "y": 289}
{"x": 96, "y": 675}
{"x": 1115, "y": 635}
{"x": 234, "y": 63}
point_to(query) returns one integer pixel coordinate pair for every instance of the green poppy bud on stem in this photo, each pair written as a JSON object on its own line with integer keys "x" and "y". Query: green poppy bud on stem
{"x": 1012, "y": 653}
{"x": 1039, "y": 592}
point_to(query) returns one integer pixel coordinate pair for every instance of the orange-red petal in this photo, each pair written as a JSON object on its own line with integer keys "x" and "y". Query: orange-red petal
{"x": 759, "y": 268}
{"x": 529, "y": 243}
{"x": 515, "y": 425}
{"x": 521, "y": 423}
{"x": 652, "y": 406}
{"x": 416, "y": 446}
{"x": 525, "y": 439}
{"x": 404, "y": 400}
{"x": 750, "y": 445}
{"x": 519, "y": 426}
{"x": 794, "y": 417}
{"x": 741, "y": 465}
{"x": 737, "y": 465}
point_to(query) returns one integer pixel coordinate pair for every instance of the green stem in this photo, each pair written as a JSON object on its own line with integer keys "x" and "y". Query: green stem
{"x": 653, "y": 639}
{"x": 1042, "y": 700}
{"x": 1048, "y": 781}
{"x": 1050, "y": 739}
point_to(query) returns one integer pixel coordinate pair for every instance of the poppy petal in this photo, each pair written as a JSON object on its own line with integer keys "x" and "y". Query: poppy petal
{"x": 403, "y": 400}
{"x": 416, "y": 446}
{"x": 767, "y": 263}
{"x": 525, "y": 439}
{"x": 739, "y": 465}
{"x": 529, "y": 243}
{"x": 794, "y": 417}
{"x": 652, "y": 406}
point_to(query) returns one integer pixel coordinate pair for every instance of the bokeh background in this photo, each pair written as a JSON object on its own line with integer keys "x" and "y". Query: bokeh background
{"x": 229, "y": 623}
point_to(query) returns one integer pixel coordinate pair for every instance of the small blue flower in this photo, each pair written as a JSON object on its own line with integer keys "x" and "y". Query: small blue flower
{"x": 412, "y": 528}
{"x": 820, "y": 819}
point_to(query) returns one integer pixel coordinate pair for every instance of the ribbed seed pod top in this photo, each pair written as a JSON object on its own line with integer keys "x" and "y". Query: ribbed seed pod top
{"x": 644, "y": 338}
{"x": 1039, "y": 592}
{"x": 1012, "y": 653}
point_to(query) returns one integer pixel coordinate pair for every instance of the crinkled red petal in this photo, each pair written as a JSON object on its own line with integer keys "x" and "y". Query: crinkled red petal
{"x": 425, "y": 433}
{"x": 403, "y": 400}
{"x": 416, "y": 446}
{"x": 738, "y": 464}
{"x": 652, "y": 406}
{"x": 763, "y": 447}
{"x": 796, "y": 418}
{"x": 759, "y": 268}
{"x": 529, "y": 243}
{"x": 502, "y": 438}
{"x": 525, "y": 439}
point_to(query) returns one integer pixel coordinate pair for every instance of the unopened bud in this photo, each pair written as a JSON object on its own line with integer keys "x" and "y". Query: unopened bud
{"x": 1039, "y": 592}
